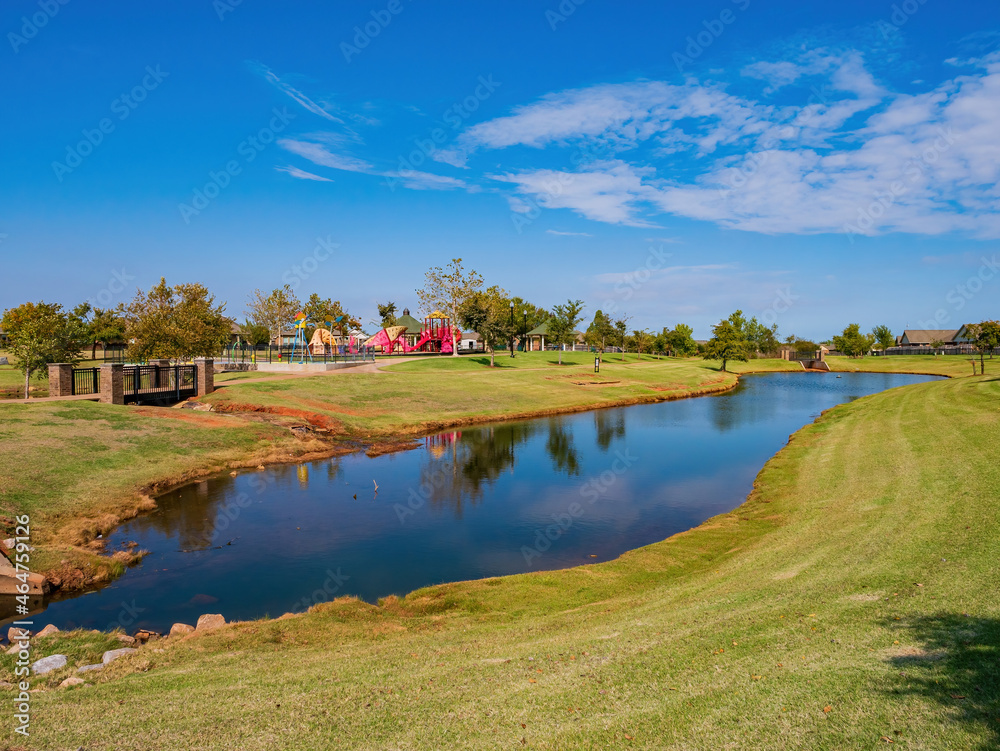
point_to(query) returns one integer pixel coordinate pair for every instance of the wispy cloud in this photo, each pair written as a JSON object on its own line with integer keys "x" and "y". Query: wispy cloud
{"x": 302, "y": 174}
{"x": 852, "y": 157}
{"x": 272, "y": 78}
{"x": 568, "y": 234}
{"x": 317, "y": 153}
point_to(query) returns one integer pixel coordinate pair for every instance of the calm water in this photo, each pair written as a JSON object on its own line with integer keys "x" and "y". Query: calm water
{"x": 462, "y": 505}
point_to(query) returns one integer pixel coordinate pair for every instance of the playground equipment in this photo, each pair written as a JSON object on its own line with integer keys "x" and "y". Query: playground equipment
{"x": 300, "y": 339}
{"x": 387, "y": 339}
{"x": 436, "y": 334}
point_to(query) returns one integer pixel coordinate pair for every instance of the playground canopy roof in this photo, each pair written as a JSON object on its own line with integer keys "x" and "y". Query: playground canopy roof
{"x": 413, "y": 326}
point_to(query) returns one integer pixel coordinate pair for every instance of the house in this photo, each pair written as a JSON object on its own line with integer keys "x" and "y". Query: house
{"x": 924, "y": 337}
{"x": 471, "y": 342}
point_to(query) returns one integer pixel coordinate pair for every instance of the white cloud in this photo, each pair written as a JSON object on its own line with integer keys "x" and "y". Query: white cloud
{"x": 272, "y": 78}
{"x": 302, "y": 174}
{"x": 856, "y": 157}
{"x": 567, "y": 234}
{"x": 319, "y": 154}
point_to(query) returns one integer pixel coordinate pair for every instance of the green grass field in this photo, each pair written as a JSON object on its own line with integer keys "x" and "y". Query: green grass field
{"x": 848, "y": 604}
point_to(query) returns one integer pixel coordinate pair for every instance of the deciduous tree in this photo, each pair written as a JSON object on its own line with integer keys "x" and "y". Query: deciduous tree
{"x": 852, "y": 342}
{"x": 985, "y": 338}
{"x": 728, "y": 341}
{"x": 275, "y": 311}
{"x": 446, "y": 290}
{"x": 488, "y": 314}
{"x": 562, "y": 325}
{"x": 176, "y": 323}
{"x": 883, "y": 337}
{"x": 39, "y": 334}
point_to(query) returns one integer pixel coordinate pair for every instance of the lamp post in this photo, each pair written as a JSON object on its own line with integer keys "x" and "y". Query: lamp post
{"x": 511, "y": 328}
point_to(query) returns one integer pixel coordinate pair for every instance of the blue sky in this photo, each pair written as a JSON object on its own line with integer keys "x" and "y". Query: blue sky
{"x": 812, "y": 164}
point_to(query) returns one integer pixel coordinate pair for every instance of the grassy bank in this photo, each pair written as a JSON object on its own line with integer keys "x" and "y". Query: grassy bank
{"x": 848, "y": 603}
{"x": 414, "y": 397}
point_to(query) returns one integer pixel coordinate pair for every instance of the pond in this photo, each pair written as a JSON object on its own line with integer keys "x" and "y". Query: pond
{"x": 485, "y": 501}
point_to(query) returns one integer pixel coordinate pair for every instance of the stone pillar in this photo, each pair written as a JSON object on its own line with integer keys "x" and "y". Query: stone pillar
{"x": 113, "y": 384}
{"x": 60, "y": 379}
{"x": 205, "y": 375}
{"x": 162, "y": 374}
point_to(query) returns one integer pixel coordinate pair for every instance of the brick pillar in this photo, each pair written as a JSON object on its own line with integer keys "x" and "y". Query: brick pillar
{"x": 205, "y": 375}
{"x": 162, "y": 374}
{"x": 113, "y": 384}
{"x": 60, "y": 379}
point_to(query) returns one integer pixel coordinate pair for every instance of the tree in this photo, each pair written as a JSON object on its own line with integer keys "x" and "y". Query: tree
{"x": 883, "y": 335}
{"x": 488, "y": 314}
{"x": 680, "y": 341}
{"x": 327, "y": 311}
{"x": 39, "y": 334}
{"x": 387, "y": 313}
{"x": 643, "y": 341}
{"x": 176, "y": 323}
{"x": 985, "y": 337}
{"x": 102, "y": 326}
{"x": 599, "y": 331}
{"x": 728, "y": 341}
{"x": 937, "y": 344}
{"x": 562, "y": 325}
{"x": 254, "y": 334}
{"x": 621, "y": 329}
{"x": 446, "y": 290}
{"x": 762, "y": 339}
{"x": 852, "y": 342}
{"x": 275, "y": 311}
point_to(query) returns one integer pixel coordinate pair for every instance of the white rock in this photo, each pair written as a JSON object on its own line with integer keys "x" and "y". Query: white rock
{"x": 48, "y": 664}
{"x": 88, "y": 668}
{"x": 72, "y": 681}
{"x": 113, "y": 654}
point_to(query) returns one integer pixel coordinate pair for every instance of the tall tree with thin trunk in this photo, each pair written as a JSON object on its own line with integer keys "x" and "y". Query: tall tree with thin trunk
{"x": 884, "y": 338}
{"x": 39, "y": 334}
{"x": 621, "y": 328}
{"x": 562, "y": 325}
{"x": 728, "y": 342}
{"x": 985, "y": 338}
{"x": 276, "y": 310}
{"x": 446, "y": 290}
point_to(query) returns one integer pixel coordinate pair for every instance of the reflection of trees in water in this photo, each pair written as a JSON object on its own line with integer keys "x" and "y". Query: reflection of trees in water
{"x": 610, "y": 424}
{"x": 200, "y": 515}
{"x": 561, "y": 449}
{"x": 462, "y": 472}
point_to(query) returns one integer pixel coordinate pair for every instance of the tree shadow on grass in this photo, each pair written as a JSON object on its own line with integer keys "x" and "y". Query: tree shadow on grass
{"x": 958, "y": 666}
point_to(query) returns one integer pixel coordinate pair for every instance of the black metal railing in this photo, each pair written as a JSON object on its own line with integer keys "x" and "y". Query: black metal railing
{"x": 146, "y": 383}
{"x": 86, "y": 381}
{"x": 288, "y": 354}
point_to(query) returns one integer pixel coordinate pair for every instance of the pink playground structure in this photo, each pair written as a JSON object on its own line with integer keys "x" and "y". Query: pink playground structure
{"x": 435, "y": 336}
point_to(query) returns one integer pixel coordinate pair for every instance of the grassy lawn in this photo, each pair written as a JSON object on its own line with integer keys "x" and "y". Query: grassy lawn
{"x": 849, "y": 602}
{"x": 413, "y": 397}
{"x": 948, "y": 365}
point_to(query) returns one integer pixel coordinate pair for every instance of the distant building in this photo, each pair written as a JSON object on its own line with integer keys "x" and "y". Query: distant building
{"x": 924, "y": 337}
{"x": 413, "y": 327}
{"x": 471, "y": 342}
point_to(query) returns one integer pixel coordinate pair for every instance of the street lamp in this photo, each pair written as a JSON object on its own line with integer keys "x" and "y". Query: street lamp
{"x": 511, "y": 328}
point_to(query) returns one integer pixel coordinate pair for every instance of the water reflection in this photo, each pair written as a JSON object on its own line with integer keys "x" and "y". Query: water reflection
{"x": 463, "y": 505}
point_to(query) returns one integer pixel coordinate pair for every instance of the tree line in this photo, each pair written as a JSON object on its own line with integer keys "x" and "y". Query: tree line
{"x": 184, "y": 321}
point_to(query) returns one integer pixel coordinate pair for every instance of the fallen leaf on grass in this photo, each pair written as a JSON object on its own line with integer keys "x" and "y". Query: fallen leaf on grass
{"x": 827, "y": 708}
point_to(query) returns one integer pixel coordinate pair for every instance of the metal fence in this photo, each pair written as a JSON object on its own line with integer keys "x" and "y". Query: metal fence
{"x": 86, "y": 381}
{"x": 951, "y": 349}
{"x": 288, "y": 354}
{"x": 148, "y": 383}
